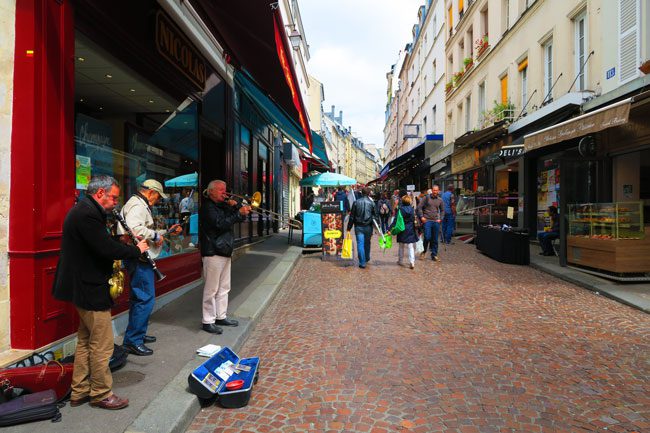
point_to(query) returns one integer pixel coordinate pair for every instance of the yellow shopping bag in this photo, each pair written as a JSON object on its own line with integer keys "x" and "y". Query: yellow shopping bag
{"x": 346, "y": 252}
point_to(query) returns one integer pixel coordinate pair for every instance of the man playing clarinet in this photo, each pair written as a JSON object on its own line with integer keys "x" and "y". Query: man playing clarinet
{"x": 139, "y": 217}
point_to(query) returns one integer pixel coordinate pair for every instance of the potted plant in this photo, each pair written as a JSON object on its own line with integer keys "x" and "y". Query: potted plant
{"x": 457, "y": 76}
{"x": 468, "y": 62}
{"x": 481, "y": 45}
{"x": 449, "y": 86}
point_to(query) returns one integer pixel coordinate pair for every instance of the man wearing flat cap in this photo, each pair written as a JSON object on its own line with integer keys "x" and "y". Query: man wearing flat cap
{"x": 138, "y": 215}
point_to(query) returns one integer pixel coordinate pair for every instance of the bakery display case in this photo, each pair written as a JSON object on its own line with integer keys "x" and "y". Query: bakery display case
{"x": 607, "y": 220}
{"x": 608, "y": 236}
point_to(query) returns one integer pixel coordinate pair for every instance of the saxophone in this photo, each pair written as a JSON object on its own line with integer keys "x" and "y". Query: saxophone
{"x": 116, "y": 282}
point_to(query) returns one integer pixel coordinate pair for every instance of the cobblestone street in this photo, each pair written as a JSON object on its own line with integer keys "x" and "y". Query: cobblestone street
{"x": 463, "y": 345}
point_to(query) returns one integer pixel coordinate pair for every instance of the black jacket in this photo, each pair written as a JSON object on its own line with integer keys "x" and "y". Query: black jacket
{"x": 217, "y": 220}
{"x": 86, "y": 259}
{"x": 362, "y": 213}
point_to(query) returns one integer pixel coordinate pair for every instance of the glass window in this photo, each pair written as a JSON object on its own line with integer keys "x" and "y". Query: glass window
{"x": 481, "y": 101}
{"x": 580, "y": 51}
{"x": 548, "y": 70}
{"x": 524, "y": 87}
{"x": 244, "y": 158}
{"x": 127, "y": 128}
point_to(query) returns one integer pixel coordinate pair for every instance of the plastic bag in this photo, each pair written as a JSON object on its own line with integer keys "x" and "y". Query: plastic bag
{"x": 346, "y": 251}
{"x": 419, "y": 246}
{"x": 385, "y": 242}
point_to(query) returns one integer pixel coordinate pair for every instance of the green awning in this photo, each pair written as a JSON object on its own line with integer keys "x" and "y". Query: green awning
{"x": 277, "y": 116}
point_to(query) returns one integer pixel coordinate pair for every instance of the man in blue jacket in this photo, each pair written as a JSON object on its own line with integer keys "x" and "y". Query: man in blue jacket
{"x": 449, "y": 220}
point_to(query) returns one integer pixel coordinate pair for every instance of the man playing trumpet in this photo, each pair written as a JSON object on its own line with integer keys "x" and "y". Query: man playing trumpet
{"x": 217, "y": 217}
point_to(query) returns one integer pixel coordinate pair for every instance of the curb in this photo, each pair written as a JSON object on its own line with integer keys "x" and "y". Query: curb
{"x": 174, "y": 408}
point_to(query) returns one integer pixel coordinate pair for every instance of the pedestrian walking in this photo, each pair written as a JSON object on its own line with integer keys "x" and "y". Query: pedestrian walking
{"x": 430, "y": 212}
{"x": 449, "y": 220}
{"x": 362, "y": 216}
{"x": 82, "y": 274}
{"x": 218, "y": 215}
{"x": 408, "y": 237}
{"x": 139, "y": 217}
{"x": 341, "y": 195}
{"x": 383, "y": 209}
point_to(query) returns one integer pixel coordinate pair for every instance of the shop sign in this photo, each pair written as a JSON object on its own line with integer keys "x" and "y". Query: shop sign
{"x": 332, "y": 213}
{"x": 464, "y": 160}
{"x": 179, "y": 51}
{"x": 586, "y": 124}
{"x": 506, "y": 152}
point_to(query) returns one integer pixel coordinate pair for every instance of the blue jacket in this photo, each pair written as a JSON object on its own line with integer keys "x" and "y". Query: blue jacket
{"x": 447, "y": 199}
{"x": 408, "y": 236}
{"x": 342, "y": 196}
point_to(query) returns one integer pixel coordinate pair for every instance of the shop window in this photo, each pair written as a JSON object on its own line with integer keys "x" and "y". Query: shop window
{"x": 127, "y": 128}
{"x": 244, "y": 159}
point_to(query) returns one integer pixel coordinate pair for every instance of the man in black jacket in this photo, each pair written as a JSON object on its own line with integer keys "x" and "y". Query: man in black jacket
{"x": 217, "y": 216}
{"x": 361, "y": 216}
{"x": 85, "y": 265}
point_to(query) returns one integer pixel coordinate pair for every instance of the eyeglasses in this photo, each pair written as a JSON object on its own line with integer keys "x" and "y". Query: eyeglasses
{"x": 114, "y": 197}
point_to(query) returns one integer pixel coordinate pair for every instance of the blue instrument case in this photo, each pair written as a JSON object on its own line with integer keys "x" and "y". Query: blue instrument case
{"x": 210, "y": 378}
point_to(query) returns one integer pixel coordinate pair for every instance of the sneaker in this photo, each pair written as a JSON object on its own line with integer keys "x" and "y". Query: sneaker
{"x": 412, "y": 266}
{"x": 435, "y": 258}
{"x": 423, "y": 254}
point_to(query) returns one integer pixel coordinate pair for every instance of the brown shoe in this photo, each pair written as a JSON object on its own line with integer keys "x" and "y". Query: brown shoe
{"x": 79, "y": 401}
{"x": 112, "y": 403}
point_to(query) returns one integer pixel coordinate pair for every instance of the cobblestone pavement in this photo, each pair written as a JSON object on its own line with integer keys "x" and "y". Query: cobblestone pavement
{"x": 463, "y": 345}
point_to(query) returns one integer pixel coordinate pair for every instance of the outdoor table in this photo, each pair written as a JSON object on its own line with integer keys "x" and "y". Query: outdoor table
{"x": 503, "y": 246}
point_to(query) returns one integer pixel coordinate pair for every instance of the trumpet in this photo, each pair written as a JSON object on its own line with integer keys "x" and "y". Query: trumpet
{"x": 254, "y": 202}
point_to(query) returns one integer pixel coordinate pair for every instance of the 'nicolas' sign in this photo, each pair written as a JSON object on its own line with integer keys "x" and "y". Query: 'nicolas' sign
{"x": 178, "y": 50}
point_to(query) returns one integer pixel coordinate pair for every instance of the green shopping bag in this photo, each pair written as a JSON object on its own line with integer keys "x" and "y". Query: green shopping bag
{"x": 385, "y": 242}
{"x": 399, "y": 224}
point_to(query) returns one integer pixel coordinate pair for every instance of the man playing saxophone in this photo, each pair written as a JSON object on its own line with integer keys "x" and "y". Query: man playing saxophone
{"x": 139, "y": 217}
{"x": 82, "y": 274}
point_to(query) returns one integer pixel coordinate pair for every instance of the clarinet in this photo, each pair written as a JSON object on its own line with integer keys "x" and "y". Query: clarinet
{"x": 146, "y": 255}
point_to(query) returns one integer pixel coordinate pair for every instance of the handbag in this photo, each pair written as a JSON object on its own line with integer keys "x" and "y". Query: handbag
{"x": 399, "y": 224}
{"x": 346, "y": 251}
{"x": 51, "y": 375}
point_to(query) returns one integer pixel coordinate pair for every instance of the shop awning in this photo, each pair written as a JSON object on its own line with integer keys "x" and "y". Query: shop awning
{"x": 281, "y": 119}
{"x": 416, "y": 152}
{"x": 485, "y": 135}
{"x": 253, "y": 37}
{"x": 613, "y": 115}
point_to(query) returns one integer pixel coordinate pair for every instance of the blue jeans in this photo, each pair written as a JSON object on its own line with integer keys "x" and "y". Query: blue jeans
{"x": 141, "y": 300}
{"x": 383, "y": 219}
{"x": 363, "y": 234}
{"x": 431, "y": 229}
{"x": 546, "y": 241}
{"x": 448, "y": 225}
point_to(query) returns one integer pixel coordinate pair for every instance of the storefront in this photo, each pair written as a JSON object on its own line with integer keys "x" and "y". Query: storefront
{"x": 592, "y": 169}
{"x": 134, "y": 95}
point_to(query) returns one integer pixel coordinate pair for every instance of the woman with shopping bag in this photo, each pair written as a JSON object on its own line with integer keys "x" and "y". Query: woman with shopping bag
{"x": 406, "y": 238}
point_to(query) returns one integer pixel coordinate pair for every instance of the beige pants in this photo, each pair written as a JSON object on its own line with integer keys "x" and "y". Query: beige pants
{"x": 216, "y": 273}
{"x": 91, "y": 375}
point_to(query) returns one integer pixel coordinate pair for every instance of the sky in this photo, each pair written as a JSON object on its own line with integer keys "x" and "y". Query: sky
{"x": 352, "y": 45}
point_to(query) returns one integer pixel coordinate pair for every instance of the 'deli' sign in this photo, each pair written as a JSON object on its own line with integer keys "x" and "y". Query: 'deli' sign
{"x": 179, "y": 51}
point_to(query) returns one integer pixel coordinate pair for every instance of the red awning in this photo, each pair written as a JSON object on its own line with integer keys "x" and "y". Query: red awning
{"x": 253, "y": 37}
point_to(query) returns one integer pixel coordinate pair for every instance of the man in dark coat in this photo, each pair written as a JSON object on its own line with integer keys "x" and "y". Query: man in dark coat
{"x": 85, "y": 265}
{"x": 218, "y": 215}
{"x": 362, "y": 216}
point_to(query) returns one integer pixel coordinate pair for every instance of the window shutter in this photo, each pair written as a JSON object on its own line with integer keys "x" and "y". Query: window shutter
{"x": 451, "y": 18}
{"x": 504, "y": 90}
{"x": 628, "y": 39}
{"x": 460, "y": 5}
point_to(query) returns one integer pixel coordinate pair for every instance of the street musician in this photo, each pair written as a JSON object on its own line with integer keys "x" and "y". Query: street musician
{"x": 217, "y": 216}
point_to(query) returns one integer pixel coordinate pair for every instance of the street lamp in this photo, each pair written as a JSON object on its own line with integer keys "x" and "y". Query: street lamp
{"x": 295, "y": 38}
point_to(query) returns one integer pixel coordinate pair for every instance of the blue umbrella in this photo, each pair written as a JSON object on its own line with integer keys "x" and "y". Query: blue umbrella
{"x": 328, "y": 179}
{"x": 190, "y": 179}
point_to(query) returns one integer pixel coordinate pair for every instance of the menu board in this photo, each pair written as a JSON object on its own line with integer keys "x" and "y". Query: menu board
{"x": 332, "y": 215}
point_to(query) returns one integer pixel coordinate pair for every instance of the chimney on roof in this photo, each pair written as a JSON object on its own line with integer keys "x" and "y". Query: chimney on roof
{"x": 341, "y": 116}
{"x": 332, "y": 111}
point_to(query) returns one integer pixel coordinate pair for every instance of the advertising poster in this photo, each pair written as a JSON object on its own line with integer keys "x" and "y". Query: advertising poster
{"x": 332, "y": 216}
{"x": 548, "y": 193}
{"x": 82, "y": 168}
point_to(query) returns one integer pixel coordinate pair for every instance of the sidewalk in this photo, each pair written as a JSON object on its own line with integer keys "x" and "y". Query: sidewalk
{"x": 157, "y": 385}
{"x": 636, "y": 295}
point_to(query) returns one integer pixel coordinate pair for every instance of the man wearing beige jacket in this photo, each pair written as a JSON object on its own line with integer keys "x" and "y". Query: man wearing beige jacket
{"x": 139, "y": 217}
